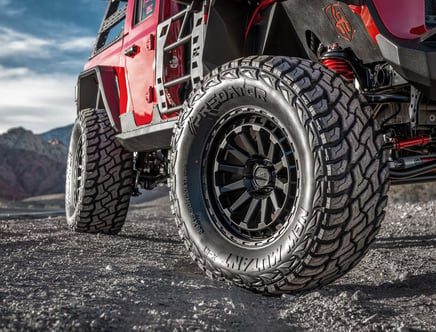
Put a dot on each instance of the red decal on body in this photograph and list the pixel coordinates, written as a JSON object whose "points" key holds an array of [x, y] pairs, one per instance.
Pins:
{"points": [[340, 22]]}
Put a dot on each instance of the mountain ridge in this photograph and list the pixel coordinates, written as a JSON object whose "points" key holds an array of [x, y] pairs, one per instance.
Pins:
{"points": [[62, 134], [32, 164]]}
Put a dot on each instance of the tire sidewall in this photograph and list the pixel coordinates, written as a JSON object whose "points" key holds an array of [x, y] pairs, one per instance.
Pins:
{"points": [[217, 102]]}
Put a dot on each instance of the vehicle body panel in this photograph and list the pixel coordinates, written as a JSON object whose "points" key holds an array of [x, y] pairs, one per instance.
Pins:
{"points": [[140, 65], [404, 19]]}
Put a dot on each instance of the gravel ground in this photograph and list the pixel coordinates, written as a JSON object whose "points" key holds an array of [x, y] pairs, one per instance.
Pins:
{"points": [[143, 279]]}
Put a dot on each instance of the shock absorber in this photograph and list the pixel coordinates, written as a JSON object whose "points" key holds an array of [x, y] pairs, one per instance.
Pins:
{"points": [[395, 144], [340, 66], [334, 59]]}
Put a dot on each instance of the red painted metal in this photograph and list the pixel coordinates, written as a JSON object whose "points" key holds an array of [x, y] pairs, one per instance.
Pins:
{"points": [[367, 19], [402, 18], [426, 160], [109, 57], [136, 74], [416, 141], [139, 69], [149, 96], [340, 66], [150, 42], [369, 23], [112, 57], [122, 87], [206, 11], [356, 9]]}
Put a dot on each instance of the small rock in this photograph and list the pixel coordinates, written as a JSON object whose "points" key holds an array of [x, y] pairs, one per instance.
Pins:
{"points": [[288, 297], [359, 296], [314, 295], [109, 268], [344, 295], [403, 276], [370, 319], [403, 328]]}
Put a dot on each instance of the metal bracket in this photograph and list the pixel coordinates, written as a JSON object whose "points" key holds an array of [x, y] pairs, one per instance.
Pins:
{"points": [[150, 42], [415, 98]]}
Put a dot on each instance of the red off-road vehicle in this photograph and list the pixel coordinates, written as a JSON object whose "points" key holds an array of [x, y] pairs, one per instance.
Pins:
{"points": [[277, 124]]}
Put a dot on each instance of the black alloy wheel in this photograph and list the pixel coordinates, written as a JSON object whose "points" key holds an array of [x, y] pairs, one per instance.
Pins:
{"points": [[250, 175]]}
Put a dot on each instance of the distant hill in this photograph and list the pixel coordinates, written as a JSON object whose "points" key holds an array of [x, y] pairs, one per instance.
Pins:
{"points": [[62, 134], [27, 173], [30, 165], [22, 139]]}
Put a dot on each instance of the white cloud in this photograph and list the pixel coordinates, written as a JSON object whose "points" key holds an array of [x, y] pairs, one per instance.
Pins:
{"points": [[34, 101], [16, 43], [6, 10], [78, 44], [37, 101], [13, 73], [25, 45]]}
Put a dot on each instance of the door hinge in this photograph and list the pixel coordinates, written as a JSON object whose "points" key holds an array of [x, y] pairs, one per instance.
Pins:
{"points": [[149, 95], [150, 42]]}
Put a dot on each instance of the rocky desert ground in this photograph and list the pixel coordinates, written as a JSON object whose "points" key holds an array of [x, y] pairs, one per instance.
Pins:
{"points": [[143, 279]]}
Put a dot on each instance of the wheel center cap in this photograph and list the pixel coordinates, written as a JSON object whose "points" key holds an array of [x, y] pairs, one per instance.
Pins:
{"points": [[262, 177]]}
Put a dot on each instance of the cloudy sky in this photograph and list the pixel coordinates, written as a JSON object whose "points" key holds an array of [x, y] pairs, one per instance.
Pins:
{"points": [[44, 45]]}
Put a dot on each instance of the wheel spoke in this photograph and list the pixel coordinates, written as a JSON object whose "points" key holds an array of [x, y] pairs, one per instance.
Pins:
{"points": [[247, 145], [271, 149], [251, 213], [240, 201], [263, 211], [242, 157], [281, 185], [280, 165], [274, 202], [233, 169], [259, 143], [233, 186]]}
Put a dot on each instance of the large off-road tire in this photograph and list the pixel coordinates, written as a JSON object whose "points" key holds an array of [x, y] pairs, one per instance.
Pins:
{"points": [[278, 182], [99, 176]]}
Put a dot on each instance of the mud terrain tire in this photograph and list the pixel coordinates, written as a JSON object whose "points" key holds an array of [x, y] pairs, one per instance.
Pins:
{"points": [[277, 180], [99, 176]]}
